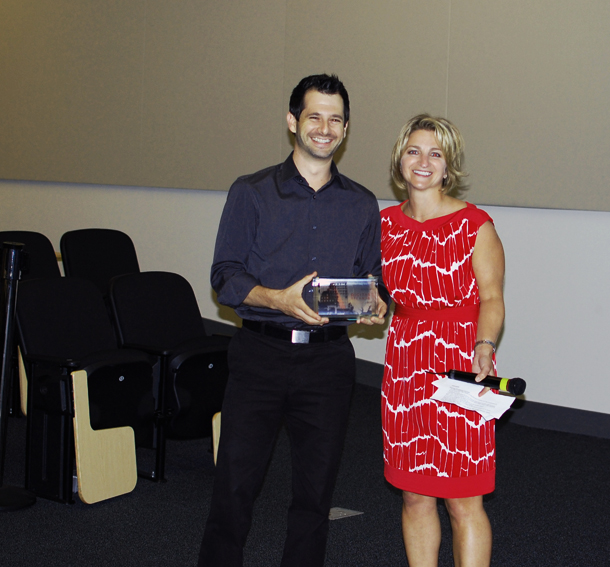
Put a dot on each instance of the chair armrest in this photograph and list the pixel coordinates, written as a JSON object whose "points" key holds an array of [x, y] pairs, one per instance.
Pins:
{"points": [[150, 349], [193, 346], [49, 359]]}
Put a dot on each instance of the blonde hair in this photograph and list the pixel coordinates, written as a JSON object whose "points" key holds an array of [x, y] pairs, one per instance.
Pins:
{"points": [[449, 139]]}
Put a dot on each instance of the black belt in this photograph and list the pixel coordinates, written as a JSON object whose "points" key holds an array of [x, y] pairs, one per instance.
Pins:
{"points": [[299, 336]]}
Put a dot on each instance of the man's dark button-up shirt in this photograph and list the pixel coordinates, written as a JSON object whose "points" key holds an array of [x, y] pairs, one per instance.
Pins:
{"points": [[275, 230]]}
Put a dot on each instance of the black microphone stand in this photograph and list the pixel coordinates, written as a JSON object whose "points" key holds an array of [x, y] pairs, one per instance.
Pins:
{"points": [[11, 497]]}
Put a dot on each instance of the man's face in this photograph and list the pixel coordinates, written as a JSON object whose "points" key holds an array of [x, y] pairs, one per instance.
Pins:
{"points": [[321, 127]]}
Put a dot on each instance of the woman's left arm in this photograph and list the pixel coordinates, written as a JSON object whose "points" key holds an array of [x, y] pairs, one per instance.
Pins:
{"points": [[488, 266]]}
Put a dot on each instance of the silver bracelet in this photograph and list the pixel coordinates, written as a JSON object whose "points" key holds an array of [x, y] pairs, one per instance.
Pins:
{"points": [[486, 342]]}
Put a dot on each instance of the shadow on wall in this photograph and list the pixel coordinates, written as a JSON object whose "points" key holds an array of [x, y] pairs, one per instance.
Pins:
{"points": [[370, 332]]}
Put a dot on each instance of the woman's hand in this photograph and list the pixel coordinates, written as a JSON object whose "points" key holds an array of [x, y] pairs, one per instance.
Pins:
{"points": [[482, 364]]}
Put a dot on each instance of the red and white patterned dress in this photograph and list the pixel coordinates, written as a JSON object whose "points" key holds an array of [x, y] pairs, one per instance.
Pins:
{"points": [[431, 447]]}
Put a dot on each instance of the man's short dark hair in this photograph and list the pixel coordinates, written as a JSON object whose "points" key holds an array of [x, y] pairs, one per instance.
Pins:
{"points": [[325, 84]]}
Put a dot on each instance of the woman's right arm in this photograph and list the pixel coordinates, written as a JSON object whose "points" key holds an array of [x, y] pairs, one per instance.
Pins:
{"points": [[488, 266]]}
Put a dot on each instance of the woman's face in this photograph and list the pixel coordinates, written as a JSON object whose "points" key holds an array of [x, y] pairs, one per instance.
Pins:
{"points": [[423, 164]]}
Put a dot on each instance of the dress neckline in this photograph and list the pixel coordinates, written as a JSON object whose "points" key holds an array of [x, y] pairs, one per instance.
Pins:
{"points": [[412, 223]]}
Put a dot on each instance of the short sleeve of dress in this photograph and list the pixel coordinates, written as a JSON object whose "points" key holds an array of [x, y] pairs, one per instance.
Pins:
{"points": [[478, 215]]}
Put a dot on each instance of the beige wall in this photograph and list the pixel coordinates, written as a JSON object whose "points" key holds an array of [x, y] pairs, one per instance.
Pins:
{"points": [[151, 94], [191, 94], [557, 273]]}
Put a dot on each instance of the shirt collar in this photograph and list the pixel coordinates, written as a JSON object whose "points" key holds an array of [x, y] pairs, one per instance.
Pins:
{"points": [[290, 171]]}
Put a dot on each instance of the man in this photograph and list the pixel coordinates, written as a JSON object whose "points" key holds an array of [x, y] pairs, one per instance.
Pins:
{"points": [[280, 228]]}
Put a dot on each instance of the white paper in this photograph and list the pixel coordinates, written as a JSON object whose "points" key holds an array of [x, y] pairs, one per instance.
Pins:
{"points": [[466, 396]]}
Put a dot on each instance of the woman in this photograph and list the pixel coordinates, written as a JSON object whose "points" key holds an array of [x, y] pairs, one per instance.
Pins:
{"points": [[443, 264]]}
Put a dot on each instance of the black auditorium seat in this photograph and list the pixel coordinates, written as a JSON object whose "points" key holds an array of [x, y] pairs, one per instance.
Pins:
{"points": [[158, 312], [89, 402], [40, 260], [98, 254]]}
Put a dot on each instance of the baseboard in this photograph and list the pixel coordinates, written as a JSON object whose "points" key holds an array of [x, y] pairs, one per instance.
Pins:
{"points": [[522, 412], [369, 373], [559, 418], [217, 328]]}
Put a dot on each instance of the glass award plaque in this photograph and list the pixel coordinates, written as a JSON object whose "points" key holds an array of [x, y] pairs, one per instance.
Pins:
{"points": [[347, 299]]}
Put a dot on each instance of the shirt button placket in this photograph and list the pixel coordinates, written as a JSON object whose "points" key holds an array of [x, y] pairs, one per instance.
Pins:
{"points": [[314, 227]]}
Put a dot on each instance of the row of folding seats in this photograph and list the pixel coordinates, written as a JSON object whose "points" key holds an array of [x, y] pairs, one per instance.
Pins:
{"points": [[97, 254], [166, 379]]}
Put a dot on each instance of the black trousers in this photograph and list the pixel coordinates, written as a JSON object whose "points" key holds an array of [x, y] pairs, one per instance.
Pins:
{"points": [[306, 386]]}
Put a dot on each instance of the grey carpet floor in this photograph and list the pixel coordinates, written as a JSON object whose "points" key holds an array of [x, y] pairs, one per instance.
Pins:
{"points": [[551, 506]]}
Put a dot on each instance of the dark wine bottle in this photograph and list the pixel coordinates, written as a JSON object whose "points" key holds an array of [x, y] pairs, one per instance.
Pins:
{"points": [[514, 386]]}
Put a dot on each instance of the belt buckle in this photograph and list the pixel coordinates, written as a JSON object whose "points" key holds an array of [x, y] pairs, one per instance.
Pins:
{"points": [[300, 337]]}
